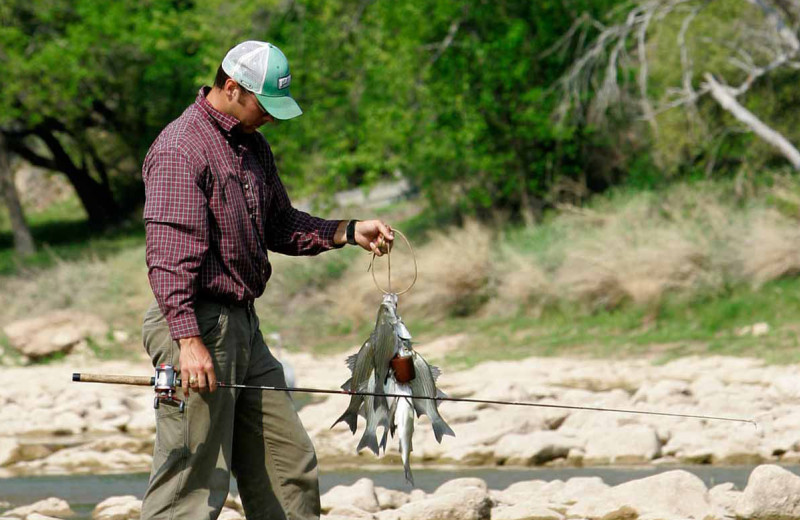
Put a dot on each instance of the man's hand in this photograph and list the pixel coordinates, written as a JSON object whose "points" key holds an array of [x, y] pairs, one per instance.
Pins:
{"points": [[373, 235], [197, 368]]}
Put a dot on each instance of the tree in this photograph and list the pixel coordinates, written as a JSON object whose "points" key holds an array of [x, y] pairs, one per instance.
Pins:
{"points": [[728, 67], [89, 85], [23, 241]]}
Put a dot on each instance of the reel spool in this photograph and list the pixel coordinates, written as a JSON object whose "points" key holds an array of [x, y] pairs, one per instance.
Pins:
{"points": [[166, 385]]}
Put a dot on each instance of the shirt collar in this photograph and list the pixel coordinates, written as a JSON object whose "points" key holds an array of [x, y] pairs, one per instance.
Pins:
{"points": [[225, 122]]}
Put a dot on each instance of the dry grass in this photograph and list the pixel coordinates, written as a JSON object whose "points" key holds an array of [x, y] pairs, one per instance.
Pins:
{"points": [[770, 248]]}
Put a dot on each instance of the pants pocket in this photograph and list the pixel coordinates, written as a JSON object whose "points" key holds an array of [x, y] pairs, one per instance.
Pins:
{"points": [[170, 430]]}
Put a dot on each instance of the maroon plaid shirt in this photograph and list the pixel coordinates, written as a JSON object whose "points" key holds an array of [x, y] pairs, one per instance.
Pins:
{"points": [[213, 198]]}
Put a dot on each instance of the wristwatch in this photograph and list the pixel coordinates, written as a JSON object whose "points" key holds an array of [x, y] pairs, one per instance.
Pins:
{"points": [[351, 232]]}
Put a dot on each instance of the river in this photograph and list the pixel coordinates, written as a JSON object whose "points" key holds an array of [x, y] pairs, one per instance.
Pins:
{"points": [[83, 492]]}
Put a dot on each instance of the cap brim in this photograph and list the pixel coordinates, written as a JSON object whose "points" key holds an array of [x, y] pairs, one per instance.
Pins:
{"points": [[280, 107]]}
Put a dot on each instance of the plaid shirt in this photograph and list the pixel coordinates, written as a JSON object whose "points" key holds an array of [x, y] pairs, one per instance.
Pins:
{"points": [[213, 199]]}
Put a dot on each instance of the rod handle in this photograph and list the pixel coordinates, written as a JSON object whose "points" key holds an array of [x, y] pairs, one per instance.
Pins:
{"points": [[108, 378]]}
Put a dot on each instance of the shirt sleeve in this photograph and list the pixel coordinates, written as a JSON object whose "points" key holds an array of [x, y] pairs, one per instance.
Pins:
{"points": [[290, 231], [176, 228]]}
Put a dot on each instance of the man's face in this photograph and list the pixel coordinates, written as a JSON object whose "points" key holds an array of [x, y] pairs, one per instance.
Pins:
{"points": [[250, 112]]}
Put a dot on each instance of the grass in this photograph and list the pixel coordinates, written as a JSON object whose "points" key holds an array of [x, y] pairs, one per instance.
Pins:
{"points": [[61, 233], [536, 290]]}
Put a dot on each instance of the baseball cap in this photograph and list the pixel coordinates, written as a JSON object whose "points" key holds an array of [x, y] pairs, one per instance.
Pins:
{"points": [[261, 68]]}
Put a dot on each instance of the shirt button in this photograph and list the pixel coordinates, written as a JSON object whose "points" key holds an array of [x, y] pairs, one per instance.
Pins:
{"points": [[247, 186]]}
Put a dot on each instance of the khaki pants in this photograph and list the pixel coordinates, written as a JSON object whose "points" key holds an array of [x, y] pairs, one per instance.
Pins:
{"points": [[255, 434]]}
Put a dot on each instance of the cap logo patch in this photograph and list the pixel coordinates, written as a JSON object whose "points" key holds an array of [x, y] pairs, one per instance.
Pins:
{"points": [[284, 82]]}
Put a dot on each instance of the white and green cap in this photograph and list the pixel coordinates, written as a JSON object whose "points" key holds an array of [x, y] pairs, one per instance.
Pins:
{"points": [[261, 68]]}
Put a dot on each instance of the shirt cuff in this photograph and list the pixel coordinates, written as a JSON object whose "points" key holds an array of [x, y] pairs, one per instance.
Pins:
{"points": [[183, 326], [328, 232]]}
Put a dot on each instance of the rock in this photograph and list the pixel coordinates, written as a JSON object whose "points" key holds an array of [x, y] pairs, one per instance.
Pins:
{"points": [[466, 503], [459, 484], [37, 516], [725, 497], [526, 511], [520, 492], [631, 444], [390, 498], [577, 488], [228, 514], [664, 392], [360, 495], [52, 333], [234, 502], [651, 497], [348, 512], [49, 507], [771, 492], [533, 449], [115, 503], [9, 451], [118, 508]]}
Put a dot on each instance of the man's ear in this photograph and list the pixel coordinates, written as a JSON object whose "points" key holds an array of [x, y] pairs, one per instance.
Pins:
{"points": [[231, 90]]}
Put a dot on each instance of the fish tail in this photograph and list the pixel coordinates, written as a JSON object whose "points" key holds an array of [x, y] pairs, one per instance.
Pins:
{"points": [[369, 440], [409, 476], [441, 428], [350, 417], [384, 439]]}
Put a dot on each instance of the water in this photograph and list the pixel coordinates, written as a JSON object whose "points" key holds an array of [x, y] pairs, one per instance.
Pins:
{"points": [[83, 492]]}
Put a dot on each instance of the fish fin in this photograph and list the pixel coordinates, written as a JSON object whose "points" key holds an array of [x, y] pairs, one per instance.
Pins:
{"points": [[441, 428], [384, 439], [409, 476], [418, 407], [368, 440], [440, 394], [351, 362], [435, 372], [346, 385]]}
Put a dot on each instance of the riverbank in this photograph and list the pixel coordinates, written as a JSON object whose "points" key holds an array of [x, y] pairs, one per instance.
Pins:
{"points": [[66, 428]]}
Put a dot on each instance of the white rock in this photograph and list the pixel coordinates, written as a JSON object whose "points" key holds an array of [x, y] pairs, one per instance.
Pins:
{"points": [[9, 451], [468, 503], [771, 492], [625, 445], [726, 497], [348, 512], [390, 498], [526, 511], [118, 508], [228, 514], [651, 497], [55, 332], [458, 484], [49, 507], [360, 495], [534, 448], [234, 502]]}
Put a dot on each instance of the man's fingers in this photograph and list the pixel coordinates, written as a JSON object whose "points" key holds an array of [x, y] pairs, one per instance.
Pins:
{"points": [[202, 383], [185, 381], [212, 378]]}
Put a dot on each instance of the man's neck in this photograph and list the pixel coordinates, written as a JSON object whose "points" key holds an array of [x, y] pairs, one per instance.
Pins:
{"points": [[216, 98]]}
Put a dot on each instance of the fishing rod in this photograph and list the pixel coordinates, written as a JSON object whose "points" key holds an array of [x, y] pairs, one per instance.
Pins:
{"points": [[166, 383]]}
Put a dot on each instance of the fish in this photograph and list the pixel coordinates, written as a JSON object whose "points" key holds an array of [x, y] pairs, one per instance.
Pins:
{"points": [[424, 384], [401, 416], [384, 337], [376, 416], [360, 365]]}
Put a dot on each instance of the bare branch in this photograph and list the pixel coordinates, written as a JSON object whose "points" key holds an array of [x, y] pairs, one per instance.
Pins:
{"points": [[728, 101]]}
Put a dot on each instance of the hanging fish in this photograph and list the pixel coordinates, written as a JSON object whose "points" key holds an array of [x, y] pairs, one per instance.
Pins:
{"points": [[424, 384], [361, 366], [401, 422], [387, 364]]}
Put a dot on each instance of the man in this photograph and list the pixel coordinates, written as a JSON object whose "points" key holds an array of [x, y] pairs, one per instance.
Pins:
{"points": [[214, 206]]}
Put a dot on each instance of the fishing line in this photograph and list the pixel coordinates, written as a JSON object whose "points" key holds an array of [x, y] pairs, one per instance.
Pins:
{"points": [[487, 401]]}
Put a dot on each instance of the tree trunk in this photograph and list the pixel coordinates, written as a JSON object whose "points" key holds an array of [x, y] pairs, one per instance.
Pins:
{"points": [[96, 197], [23, 241]]}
